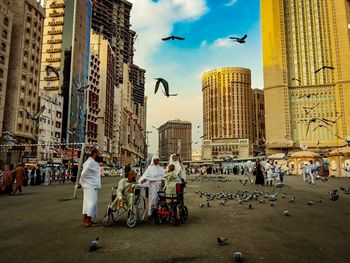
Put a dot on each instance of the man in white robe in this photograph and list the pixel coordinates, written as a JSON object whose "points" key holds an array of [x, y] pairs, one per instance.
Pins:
{"points": [[90, 181]]}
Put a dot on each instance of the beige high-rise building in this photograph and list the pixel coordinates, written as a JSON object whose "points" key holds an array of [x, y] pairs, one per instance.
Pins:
{"points": [[306, 58], [259, 134], [6, 21], [22, 94], [101, 47], [175, 136], [227, 113]]}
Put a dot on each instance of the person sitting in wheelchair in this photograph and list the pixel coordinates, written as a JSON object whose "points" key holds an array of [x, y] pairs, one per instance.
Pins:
{"points": [[170, 181], [124, 191]]}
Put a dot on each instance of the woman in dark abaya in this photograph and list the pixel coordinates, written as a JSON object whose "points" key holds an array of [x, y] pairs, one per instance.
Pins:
{"points": [[259, 173]]}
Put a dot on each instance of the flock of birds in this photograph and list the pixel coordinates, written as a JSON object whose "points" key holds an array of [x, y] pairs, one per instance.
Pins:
{"points": [[259, 196], [165, 83]]}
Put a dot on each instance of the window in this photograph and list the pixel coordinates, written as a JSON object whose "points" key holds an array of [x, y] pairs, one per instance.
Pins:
{"points": [[1, 73], [3, 46], [4, 34], [6, 21]]}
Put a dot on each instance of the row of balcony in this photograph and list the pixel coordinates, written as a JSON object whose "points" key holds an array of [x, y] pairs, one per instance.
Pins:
{"points": [[56, 23], [53, 50], [56, 14], [55, 32], [54, 41], [52, 78], [57, 5], [53, 59], [50, 88]]}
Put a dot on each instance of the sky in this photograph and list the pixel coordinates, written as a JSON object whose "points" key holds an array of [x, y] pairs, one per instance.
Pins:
{"points": [[206, 25]]}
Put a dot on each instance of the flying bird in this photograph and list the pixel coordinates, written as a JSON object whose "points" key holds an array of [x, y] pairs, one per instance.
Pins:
{"points": [[279, 186], [221, 241], [239, 39], [320, 126], [37, 115], [324, 67], [173, 38], [308, 95], [94, 244], [309, 109], [9, 138], [313, 120], [165, 85], [81, 88], [331, 121], [52, 69], [296, 80]]}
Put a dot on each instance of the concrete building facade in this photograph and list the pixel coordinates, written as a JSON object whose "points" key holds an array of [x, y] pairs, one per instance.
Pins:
{"points": [[259, 134], [22, 94], [306, 54], [227, 113], [175, 136], [92, 100], [6, 21]]}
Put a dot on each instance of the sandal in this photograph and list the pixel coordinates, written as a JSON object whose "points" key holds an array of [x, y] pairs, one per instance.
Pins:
{"points": [[91, 224]]}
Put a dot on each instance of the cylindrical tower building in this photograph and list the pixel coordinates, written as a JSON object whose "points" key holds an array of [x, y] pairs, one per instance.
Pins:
{"points": [[227, 111]]}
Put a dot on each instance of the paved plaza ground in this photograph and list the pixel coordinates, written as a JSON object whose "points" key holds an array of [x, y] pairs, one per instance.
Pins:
{"points": [[39, 226]]}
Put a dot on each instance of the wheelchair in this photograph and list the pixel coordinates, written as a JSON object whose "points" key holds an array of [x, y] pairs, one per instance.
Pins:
{"points": [[134, 206], [171, 208]]}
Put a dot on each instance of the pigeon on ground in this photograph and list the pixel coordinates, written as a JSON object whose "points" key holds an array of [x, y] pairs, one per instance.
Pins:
{"points": [[94, 244], [202, 205], [208, 204], [320, 200], [284, 196], [238, 257], [221, 241], [346, 191], [285, 212], [272, 204], [244, 182], [250, 206], [292, 200], [334, 195], [310, 202]]}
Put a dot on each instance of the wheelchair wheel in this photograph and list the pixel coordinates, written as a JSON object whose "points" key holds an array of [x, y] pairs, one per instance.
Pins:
{"points": [[183, 211], [163, 214], [108, 219], [132, 216], [140, 205]]}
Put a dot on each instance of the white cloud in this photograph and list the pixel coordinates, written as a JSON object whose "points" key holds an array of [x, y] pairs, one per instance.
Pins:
{"points": [[231, 3], [152, 21], [222, 42], [203, 44]]}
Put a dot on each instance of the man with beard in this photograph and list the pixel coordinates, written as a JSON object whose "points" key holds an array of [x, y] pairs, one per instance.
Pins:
{"points": [[90, 181]]}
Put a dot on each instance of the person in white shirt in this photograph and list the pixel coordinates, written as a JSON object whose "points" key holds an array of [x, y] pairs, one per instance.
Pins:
{"points": [[90, 181]]}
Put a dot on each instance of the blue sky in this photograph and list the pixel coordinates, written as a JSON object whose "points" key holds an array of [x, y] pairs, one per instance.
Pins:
{"points": [[206, 25]]}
